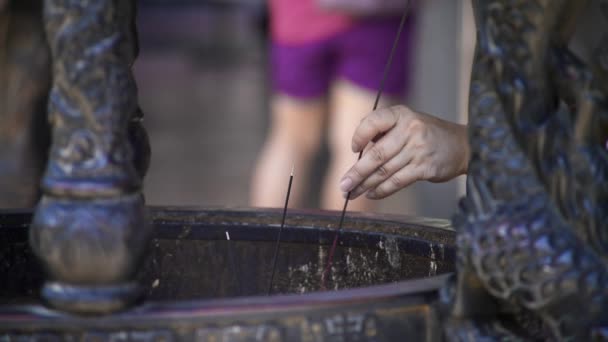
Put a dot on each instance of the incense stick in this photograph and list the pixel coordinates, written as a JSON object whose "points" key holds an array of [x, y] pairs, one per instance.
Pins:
{"points": [[376, 102], [278, 243], [233, 265]]}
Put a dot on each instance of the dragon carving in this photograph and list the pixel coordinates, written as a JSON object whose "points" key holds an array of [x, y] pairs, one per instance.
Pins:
{"points": [[532, 229]]}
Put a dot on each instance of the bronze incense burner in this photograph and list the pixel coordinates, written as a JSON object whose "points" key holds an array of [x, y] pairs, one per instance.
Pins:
{"points": [[93, 263], [387, 270]]}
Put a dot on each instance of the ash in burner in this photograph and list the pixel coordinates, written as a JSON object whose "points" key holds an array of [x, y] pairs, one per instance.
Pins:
{"points": [[188, 256], [199, 269]]}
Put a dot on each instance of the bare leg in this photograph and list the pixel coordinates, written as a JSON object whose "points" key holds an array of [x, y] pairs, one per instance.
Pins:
{"points": [[25, 75], [349, 104], [293, 140]]}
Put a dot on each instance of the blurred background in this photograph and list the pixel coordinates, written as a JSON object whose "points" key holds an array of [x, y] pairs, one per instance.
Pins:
{"points": [[204, 84], [203, 79]]}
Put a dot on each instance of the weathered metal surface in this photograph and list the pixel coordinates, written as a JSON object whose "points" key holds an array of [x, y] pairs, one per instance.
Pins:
{"points": [[532, 229], [90, 229], [284, 319], [187, 274]]}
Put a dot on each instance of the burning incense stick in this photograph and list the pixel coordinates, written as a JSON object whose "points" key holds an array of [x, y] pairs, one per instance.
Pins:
{"points": [[380, 89], [278, 243]]}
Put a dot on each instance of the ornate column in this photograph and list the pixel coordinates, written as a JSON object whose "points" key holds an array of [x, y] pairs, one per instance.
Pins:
{"points": [[90, 228]]}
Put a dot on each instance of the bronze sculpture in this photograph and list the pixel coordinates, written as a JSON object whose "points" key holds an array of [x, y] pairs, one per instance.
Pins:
{"points": [[532, 227], [91, 174], [531, 238]]}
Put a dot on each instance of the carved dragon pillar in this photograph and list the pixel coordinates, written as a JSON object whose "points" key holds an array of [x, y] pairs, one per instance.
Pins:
{"points": [[90, 228], [532, 230]]}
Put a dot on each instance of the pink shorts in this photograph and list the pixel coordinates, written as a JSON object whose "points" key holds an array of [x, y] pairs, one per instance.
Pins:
{"points": [[358, 55]]}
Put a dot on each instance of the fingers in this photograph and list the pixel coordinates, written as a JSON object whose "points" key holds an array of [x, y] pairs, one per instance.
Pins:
{"points": [[396, 182], [373, 125], [373, 158], [383, 172]]}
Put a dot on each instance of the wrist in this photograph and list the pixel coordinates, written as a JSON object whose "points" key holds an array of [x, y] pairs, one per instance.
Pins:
{"points": [[466, 148]]}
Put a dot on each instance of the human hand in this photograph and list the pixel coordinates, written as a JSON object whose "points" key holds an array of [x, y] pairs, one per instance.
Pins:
{"points": [[402, 146]]}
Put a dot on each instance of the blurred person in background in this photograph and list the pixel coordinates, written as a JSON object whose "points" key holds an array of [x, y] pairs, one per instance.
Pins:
{"points": [[327, 61], [25, 76]]}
